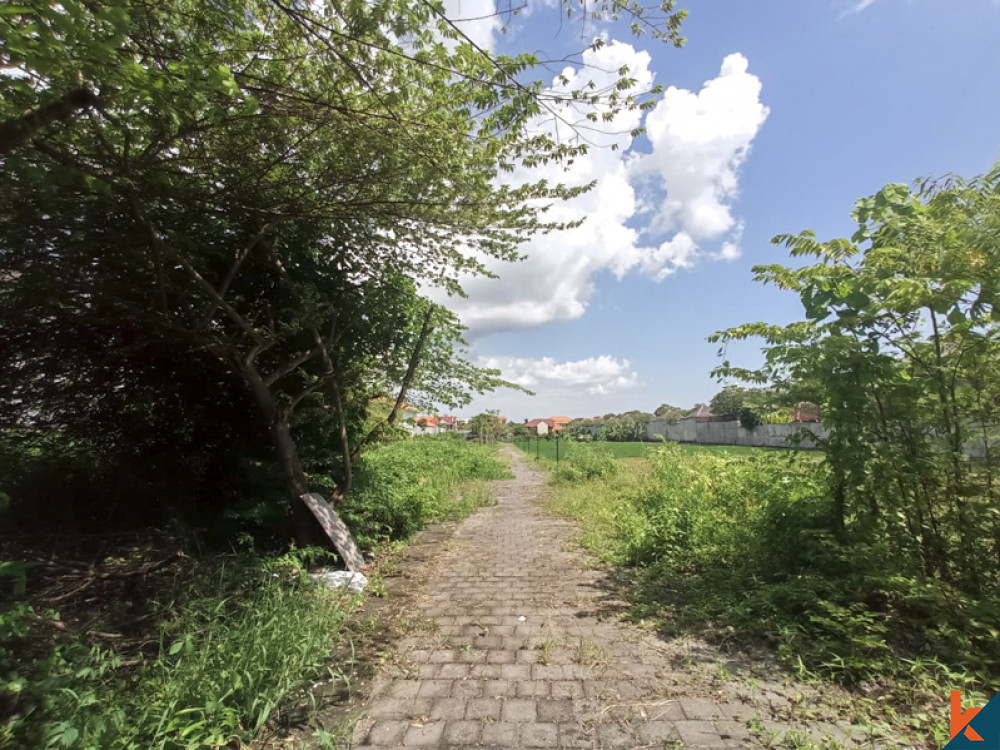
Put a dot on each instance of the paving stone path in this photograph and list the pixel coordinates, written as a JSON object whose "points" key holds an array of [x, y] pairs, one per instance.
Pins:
{"points": [[517, 644]]}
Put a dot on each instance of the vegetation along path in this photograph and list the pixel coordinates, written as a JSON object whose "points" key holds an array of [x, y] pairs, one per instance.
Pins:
{"points": [[523, 649]]}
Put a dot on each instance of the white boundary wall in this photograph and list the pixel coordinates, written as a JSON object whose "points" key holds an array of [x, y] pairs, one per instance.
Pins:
{"points": [[732, 433]]}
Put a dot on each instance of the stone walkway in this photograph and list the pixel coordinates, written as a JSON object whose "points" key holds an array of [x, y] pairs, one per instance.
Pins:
{"points": [[516, 644]]}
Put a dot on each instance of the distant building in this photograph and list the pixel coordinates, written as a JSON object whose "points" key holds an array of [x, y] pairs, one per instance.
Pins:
{"points": [[701, 414], [432, 425], [805, 411], [545, 426]]}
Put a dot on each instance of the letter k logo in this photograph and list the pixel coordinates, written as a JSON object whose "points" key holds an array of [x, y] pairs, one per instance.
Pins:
{"points": [[959, 720]]}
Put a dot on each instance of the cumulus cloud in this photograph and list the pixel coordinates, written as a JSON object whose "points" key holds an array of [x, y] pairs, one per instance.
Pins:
{"points": [[699, 142], [594, 376], [681, 190]]}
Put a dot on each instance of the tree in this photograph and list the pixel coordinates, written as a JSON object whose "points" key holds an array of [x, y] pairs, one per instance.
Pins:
{"points": [[487, 426], [668, 413], [258, 184], [629, 426], [899, 346], [728, 401]]}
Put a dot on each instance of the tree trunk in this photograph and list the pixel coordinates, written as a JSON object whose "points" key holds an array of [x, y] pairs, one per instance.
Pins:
{"points": [[308, 532]]}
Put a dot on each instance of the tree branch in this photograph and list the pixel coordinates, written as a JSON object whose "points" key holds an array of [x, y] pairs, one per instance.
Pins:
{"points": [[15, 131], [346, 472], [286, 368], [411, 371], [241, 256], [200, 280]]}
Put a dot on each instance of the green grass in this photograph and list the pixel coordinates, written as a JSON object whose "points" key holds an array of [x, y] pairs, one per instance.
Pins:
{"points": [[546, 449], [234, 639], [735, 549], [226, 643], [400, 488]]}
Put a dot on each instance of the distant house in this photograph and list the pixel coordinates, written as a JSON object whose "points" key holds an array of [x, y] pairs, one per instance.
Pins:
{"points": [[805, 411], [537, 426], [701, 414], [426, 425], [432, 425], [545, 426]]}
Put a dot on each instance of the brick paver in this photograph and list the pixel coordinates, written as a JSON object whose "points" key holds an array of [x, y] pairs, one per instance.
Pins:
{"points": [[521, 650]]}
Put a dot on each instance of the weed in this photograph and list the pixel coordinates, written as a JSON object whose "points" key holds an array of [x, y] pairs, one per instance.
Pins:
{"points": [[400, 488], [736, 550], [590, 654], [546, 646], [235, 643]]}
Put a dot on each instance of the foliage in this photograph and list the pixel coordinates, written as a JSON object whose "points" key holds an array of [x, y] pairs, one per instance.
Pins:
{"points": [[235, 641], [727, 402], [625, 427], [264, 185], [546, 449], [488, 426], [738, 548], [899, 346], [404, 486], [879, 565], [749, 419], [65, 482], [748, 405], [670, 414], [587, 462]]}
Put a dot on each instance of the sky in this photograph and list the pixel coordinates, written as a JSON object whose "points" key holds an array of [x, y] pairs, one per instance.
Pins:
{"points": [[778, 115]]}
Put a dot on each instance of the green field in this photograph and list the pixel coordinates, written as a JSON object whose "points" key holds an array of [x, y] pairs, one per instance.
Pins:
{"points": [[547, 448]]}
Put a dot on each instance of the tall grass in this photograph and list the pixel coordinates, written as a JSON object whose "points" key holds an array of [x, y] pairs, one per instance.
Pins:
{"points": [[227, 644], [740, 547], [546, 448], [232, 645], [404, 486]]}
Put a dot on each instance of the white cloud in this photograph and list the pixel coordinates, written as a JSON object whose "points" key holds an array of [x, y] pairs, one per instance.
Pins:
{"points": [[683, 189], [594, 376], [699, 142], [477, 19], [855, 7]]}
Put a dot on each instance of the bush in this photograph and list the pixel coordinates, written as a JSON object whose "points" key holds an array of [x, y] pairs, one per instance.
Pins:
{"points": [[402, 487], [745, 543], [587, 462], [235, 642]]}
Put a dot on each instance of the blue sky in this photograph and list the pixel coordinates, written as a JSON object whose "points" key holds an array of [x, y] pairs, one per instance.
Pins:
{"points": [[815, 104]]}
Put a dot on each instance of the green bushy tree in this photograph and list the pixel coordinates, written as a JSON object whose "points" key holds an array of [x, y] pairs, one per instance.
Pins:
{"points": [[256, 186], [899, 346]]}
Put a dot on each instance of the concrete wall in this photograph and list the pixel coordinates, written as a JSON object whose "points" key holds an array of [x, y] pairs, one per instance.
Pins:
{"points": [[979, 438], [777, 435], [731, 433], [418, 430]]}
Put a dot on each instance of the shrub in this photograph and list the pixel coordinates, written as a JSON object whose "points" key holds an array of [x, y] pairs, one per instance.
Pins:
{"points": [[234, 643], [587, 462], [400, 488], [746, 542]]}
